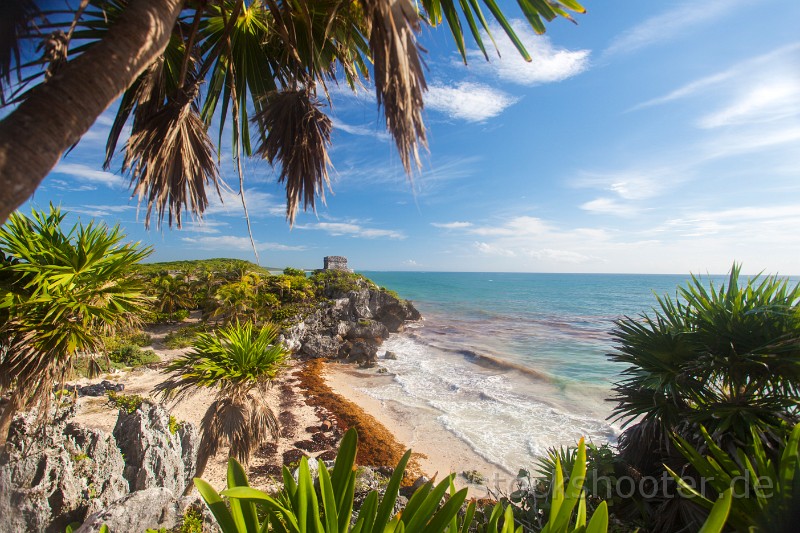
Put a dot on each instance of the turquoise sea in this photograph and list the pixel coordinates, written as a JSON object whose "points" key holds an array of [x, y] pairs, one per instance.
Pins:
{"points": [[514, 363]]}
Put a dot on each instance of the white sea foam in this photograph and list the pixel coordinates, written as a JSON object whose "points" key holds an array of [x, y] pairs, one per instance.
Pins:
{"points": [[508, 417]]}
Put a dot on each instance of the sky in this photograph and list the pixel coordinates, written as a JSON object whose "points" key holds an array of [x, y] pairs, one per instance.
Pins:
{"points": [[651, 137]]}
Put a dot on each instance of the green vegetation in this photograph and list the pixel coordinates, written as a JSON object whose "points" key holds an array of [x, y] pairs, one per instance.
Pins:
{"points": [[127, 402], [240, 361], [62, 292], [184, 337], [174, 425], [133, 356]]}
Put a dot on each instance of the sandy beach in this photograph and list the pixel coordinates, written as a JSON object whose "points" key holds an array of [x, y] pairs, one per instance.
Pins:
{"points": [[440, 451]]}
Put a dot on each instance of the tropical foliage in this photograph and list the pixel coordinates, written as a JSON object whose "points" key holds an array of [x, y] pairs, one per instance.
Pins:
{"points": [[326, 505], [62, 292], [240, 361], [264, 66]]}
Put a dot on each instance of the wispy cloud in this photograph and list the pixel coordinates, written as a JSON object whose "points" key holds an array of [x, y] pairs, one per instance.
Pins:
{"points": [[782, 60], [549, 63], [610, 206], [259, 204], [374, 130], [473, 102], [669, 25], [772, 100], [88, 174], [240, 244], [352, 229], [451, 225], [100, 210]]}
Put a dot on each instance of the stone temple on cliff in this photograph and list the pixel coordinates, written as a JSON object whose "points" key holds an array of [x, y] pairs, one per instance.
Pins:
{"points": [[336, 262]]}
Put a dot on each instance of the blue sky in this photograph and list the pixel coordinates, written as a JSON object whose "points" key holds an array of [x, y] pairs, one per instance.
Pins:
{"points": [[653, 137]]}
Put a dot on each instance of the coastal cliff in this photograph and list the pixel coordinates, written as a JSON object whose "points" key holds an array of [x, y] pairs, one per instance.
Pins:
{"points": [[350, 324]]}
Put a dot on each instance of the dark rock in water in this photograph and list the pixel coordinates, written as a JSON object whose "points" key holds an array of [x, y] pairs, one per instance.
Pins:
{"points": [[54, 474], [390, 355], [361, 351], [154, 508], [154, 457]]}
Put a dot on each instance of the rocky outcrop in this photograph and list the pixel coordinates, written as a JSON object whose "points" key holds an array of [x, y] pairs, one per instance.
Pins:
{"points": [[56, 473], [151, 508], [154, 455], [60, 472], [351, 326]]}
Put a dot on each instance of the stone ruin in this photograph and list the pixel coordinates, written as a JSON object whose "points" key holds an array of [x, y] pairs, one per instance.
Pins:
{"points": [[336, 262]]}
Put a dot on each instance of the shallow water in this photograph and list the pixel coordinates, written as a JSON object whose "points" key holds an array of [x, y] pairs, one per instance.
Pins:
{"points": [[514, 363]]}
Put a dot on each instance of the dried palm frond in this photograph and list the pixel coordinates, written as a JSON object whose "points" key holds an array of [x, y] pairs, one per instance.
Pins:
{"points": [[243, 422], [298, 136], [170, 158], [15, 18], [399, 76]]}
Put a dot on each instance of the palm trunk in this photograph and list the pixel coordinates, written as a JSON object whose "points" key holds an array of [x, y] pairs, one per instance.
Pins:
{"points": [[56, 114]]}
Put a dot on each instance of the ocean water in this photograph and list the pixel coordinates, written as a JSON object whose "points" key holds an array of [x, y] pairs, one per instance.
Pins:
{"points": [[514, 363]]}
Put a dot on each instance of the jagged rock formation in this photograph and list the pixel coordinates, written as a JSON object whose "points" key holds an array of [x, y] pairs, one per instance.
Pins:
{"points": [[155, 505], [56, 473], [154, 456], [60, 472], [352, 326]]}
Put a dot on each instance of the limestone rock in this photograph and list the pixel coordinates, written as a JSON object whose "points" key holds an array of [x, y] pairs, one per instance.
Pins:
{"points": [[150, 508], [154, 457], [54, 474]]}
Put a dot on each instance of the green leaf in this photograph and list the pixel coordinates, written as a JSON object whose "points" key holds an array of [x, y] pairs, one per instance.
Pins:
{"points": [[719, 514], [390, 496], [244, 512], [216, 506], [599, 521]]}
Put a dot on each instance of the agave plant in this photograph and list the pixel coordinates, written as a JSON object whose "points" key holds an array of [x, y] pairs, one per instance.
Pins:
{"points": [[727, 358], [240, 361], [62, 292], [765, 492]]}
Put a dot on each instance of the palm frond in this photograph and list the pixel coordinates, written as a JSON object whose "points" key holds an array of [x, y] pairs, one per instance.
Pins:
{"points": [[298, 137], [15, 19], [171, 160], [399, 77], [243, 423]]}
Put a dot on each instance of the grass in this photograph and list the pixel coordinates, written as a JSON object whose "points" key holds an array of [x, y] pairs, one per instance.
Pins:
{"points": [[127, 402], [183, 337]]}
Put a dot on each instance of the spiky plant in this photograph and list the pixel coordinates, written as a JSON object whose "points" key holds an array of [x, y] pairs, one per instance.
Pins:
{"points": [[61, 292], [240, 361]]}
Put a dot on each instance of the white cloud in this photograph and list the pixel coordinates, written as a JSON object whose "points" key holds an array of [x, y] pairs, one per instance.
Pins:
{"points": [[241, 244], [451, 225], [609, 206], [472, 102], [780, 60], [89, 174], [549, 63], [411, 263], [259, 204], [375, 131], [491, 249], [669, 25], [100, 210], [766, 102], [351, 229], [649, 181]]}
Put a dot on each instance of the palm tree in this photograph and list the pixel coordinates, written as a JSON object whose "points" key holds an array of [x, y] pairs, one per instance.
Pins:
{"points": [[240, 361], [264, 64], [171, 293], [61, 292]]}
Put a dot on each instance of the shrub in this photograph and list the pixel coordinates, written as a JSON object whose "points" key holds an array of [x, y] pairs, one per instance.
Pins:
{"points": [[132, 355], [289, 271], [183, 337], [141, 339], [192, 521], [127, 402]]}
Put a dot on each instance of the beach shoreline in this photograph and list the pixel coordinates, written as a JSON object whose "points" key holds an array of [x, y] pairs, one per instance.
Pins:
{"points": [[438, 451]]}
